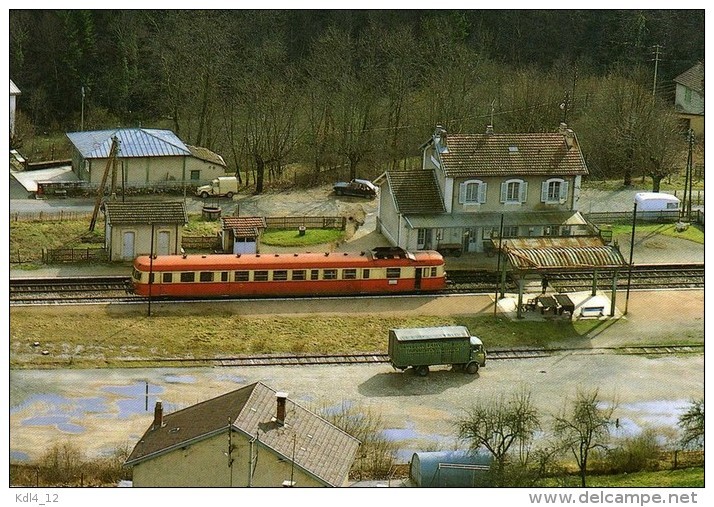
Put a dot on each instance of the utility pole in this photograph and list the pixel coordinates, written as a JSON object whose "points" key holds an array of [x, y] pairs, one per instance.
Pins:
{"points": [[657, 49], [81, 125]]}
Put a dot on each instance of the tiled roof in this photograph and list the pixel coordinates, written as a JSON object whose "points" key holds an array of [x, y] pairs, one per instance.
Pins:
{"points": [[136, 142], [692, 78], [415, 191], [138, 212], [512, 155], [243, 226], [318, 447], [206, 154]]}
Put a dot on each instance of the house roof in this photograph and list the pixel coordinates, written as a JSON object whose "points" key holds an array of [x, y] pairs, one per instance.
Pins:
{"points": [[133, 142], [139, 212], [415, 191], [244, 226], [319, 448], [491, 154], [207, 155], [493, 219], [14, 90], [692, 78]]}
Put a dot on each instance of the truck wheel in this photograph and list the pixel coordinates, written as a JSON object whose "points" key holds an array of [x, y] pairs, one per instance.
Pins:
{"points": [[229, 195], [422, 371], [472, 368], [204, 194]]}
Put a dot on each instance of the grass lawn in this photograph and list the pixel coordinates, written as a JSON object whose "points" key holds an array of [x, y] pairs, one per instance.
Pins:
{"points": [[693, 232], [292, 238]]}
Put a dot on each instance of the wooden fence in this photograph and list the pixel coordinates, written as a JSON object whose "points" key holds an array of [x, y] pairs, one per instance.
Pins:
{"points": [[56, 255], [308, 222], [53, 216], [201, 242], [622, 217]]}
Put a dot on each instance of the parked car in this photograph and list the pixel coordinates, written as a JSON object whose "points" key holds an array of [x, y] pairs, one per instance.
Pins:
{"points": [[357, 187]]}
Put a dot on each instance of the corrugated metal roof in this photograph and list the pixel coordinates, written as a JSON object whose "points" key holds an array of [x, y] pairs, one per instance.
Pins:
{"points": [[207, 155], [137, 212], [134, 143], [565, 257], [14, 90]]}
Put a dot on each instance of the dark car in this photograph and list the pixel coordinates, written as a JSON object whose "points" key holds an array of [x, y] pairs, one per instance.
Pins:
{"points": [[359, 188]]}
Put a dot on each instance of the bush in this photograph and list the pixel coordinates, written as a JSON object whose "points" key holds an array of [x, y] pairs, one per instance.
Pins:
{"points": [[635, 454]]}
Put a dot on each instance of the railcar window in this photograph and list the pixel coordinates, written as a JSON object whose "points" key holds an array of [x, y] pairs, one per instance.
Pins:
{"points": [[188, 277], [167, 278], [280, 276], [242, 276], [433, 271], [298, 274], [365, 274], [394, 272], [349, 274], [315, 274], [224, 276], [260, 276], [206, 276], [329, 274], [137, 274]]}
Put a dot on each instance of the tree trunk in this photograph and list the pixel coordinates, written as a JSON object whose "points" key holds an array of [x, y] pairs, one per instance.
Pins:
{"points": [[260, 173]]}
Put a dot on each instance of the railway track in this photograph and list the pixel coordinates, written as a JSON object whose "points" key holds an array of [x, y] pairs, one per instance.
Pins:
{"points": [[112, 289], [378, 357]]}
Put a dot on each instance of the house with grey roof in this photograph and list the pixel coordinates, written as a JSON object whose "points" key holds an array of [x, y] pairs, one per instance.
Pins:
{"points": [[141, 228], [251, 437], [473, 188], [145, 158], [241, 234], [689, 98], [14, 93]]}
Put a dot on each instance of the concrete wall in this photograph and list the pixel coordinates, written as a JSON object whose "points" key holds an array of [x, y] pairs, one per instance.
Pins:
{"points": [[167, 240], [143, 171]]}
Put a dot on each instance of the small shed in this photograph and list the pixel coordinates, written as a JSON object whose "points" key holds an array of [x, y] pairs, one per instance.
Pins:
{"points": [[450, 469], [241, 234], [142, 228]]}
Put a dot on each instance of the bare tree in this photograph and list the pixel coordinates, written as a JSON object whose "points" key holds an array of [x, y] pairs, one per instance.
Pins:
{"points": [[584, 425], [692, 424], [501, 425]]}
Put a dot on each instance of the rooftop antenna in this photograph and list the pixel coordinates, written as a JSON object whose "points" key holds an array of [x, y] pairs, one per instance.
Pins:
{"points": [[492, 109]]}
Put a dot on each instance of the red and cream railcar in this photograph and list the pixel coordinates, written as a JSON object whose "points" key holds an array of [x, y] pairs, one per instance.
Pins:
{"points": [[380, 271]]}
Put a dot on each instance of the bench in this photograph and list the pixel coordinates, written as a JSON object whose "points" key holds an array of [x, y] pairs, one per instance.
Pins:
{"points": [[592, 311], [62, 194]]}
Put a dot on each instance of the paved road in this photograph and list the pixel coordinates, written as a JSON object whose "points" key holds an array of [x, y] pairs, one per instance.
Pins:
{"points": [[101, 410]]}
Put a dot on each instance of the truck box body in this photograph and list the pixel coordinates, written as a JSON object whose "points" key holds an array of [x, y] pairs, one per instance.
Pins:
{"points": [[423, 347], [223, 185]]}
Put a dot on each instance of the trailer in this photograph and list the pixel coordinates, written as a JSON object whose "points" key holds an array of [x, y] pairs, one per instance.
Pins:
{"points": [[422, 347], [656, 201]]}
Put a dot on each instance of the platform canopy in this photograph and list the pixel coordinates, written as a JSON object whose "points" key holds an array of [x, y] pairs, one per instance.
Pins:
{"points": [[543, 254]]}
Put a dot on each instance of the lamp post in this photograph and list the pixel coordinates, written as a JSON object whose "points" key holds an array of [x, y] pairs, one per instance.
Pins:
{"points": [[151, 267], [632, 248]]}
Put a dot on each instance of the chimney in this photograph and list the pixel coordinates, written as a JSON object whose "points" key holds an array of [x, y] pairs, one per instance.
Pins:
{"points": [[158, 415], [569, 138], [280, 413], [489, 130]]}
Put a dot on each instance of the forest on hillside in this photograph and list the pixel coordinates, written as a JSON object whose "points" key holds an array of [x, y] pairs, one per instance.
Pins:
{"points": [[360, 89]]}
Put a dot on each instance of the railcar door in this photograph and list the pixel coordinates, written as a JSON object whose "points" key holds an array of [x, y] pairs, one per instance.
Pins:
{"points": [[417, 278]]}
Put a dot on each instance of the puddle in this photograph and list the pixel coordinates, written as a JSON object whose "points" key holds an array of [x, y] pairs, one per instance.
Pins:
{"points": [[62, 423], [179, 379]]}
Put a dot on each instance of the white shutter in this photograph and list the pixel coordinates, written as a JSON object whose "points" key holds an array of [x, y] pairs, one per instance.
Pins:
{"points": [[544, 192], [504, 189], [462, 193], [524, 191], [564, 191], [482, 192]]}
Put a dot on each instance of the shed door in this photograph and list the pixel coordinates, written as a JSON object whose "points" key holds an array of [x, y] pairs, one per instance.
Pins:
{"points": [[127, 249], [162, 246]]}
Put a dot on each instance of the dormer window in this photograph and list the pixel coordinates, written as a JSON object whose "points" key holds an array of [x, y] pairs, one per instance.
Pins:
{"points": [[472, 192], [513, 149], [554, 190]]}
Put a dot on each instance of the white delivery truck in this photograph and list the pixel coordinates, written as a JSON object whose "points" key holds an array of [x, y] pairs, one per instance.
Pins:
{"points": [[656, 201], [219, 187]]}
